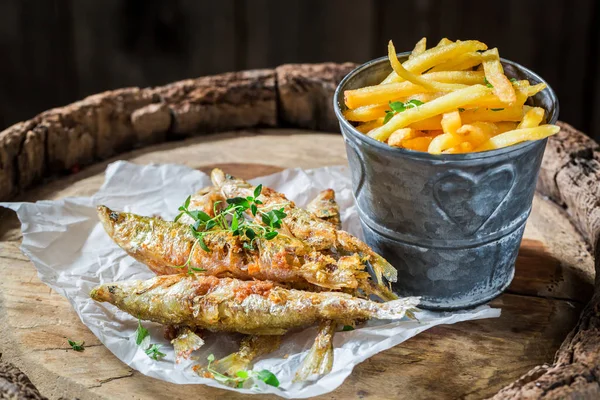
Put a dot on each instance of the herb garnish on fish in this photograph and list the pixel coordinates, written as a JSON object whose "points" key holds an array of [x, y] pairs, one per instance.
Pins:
{"points": [[241, 376], [233, 219]]}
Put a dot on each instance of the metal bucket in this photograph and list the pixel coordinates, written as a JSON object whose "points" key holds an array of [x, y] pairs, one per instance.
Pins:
{"points": [[451, 224]]}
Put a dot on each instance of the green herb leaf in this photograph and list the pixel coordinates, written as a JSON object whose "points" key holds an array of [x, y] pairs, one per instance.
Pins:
{"points": [[280, 213], [513, 80], [154, 353], [186, 204], [239, 201], [256, 201], [200, 215], [210, 358], [203, 245], [197, 269], [178, 216], [248, 246], [268, 377], [257, 191], [210, 224], [253, 209], [413, 103], [77, 346], [347, 328], [388, 116], [266, 218], [242, 374], [496, 109], [397, 106], [270, 235], [460, 109], [250, 234], [140, 333], [488, 84], [234, 223]]}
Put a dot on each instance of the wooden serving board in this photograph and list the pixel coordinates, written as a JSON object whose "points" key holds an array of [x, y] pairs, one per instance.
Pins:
{"points": [[553, 281]]}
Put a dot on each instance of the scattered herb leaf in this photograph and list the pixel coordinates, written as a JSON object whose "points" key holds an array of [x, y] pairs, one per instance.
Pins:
{"points": [[241, 376], [77, 346], [154, 353], [487, 83], [513, 80], [398, 107], [347, 328], [140, 333]]}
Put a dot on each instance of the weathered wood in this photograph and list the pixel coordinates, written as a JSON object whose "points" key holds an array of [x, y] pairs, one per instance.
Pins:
{"points": [[573, 162], [305, 94], [553, 280]]}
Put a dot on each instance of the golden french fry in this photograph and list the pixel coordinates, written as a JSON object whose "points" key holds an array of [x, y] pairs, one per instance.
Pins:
{"points": [[494, 74], [477, 132], [535, 89], [366, 113], [429, 124], [436, 55], [449, 102], [461, 77], [505, 126], [416, 79], [369, 126], [381, 94], [443, 142], [517, 136], [532, 118], [420, 47], [461, 62], [464, 147], [444, 42], [400, 135], [451, 122], [418, 144], [491, 114]]}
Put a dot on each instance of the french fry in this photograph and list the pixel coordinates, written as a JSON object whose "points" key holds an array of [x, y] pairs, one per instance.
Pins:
{"points": [[400, 135], [366, 113], [461, 77], [505, 126], [416, 79], [494, 73], [435, 56], [464, 147], [418, 144], [369, 126], [429, 124], [451, 122], [477, 133], [535, 89], [449, 102], [443, 42], [420, 47], [381, 94], [443, 142], [492, 115], [517, 136], [461, 62], [532, 118]]}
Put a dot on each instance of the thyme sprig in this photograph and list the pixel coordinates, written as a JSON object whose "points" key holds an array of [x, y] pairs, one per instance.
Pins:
{"points": [[241, 376], [233, 218]]}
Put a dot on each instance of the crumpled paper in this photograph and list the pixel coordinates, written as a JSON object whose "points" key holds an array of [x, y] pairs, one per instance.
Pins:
{"points": [[67, 244]]}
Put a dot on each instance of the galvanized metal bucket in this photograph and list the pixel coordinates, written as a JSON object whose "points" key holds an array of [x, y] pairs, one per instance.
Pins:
{"points": [[451, 224]]}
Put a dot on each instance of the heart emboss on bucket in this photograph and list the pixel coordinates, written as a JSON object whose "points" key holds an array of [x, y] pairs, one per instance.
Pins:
{"points": [[469, 200]]}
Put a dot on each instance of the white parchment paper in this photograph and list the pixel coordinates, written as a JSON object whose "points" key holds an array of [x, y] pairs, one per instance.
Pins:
{"points": [[72, 253]]}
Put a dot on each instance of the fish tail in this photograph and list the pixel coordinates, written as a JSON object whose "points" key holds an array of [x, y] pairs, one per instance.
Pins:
{"points": [[398, 309], [382, 267], [319, 359], [218, 177]]}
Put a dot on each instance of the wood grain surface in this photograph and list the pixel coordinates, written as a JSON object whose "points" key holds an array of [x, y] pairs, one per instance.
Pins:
{"points": [[553, 282]]}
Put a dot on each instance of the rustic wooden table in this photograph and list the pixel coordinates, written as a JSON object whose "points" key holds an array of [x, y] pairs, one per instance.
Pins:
{"points": [[554, 274]]}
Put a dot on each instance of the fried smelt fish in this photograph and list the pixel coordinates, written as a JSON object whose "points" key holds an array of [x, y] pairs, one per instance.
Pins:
{"points": [[320, 356], [251, 347], [305, 226], [166, 247], [231, 305], [206, 200], [326, 208]]}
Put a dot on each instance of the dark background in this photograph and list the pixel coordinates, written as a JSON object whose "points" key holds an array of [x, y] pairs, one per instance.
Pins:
{"points": [[54, 52]]}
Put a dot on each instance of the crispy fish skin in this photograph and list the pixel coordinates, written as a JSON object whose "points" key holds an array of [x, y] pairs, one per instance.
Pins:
{"points": [[231, 305], [326, 208], [166, 246], [305, 225]]}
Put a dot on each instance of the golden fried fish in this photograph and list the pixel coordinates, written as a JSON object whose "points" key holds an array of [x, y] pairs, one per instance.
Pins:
{"points": [[304, 225], [232, 305]]}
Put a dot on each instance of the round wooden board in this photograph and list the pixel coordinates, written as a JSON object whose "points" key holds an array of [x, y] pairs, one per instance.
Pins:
{"points": [[554, 279]]}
